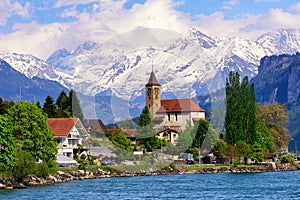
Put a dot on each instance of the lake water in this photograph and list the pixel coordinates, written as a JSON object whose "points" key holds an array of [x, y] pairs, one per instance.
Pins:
{"points": [[275, 185]]}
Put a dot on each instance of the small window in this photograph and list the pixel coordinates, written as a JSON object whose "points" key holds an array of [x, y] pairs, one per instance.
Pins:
{"points": [[176, 117], [169, 117]]}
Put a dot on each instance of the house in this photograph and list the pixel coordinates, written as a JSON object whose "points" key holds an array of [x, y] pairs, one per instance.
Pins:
{"points": [[170, 113], [68, 133], [95, 128], [168, 134], [130, 134]]}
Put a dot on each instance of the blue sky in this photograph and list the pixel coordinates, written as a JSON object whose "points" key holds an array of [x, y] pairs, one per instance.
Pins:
{"points": [[41, 27]]}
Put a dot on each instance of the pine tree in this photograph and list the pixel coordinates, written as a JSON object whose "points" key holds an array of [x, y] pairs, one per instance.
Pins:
{"points": [[49, 107], [63, 107], [74, 105]]}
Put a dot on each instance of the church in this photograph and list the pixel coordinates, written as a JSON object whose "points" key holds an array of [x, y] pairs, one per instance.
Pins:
{"points": [[170, 115]]}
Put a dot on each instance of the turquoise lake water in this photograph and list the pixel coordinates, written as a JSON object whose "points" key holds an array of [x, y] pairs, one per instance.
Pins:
{"points": [[275, 185]]}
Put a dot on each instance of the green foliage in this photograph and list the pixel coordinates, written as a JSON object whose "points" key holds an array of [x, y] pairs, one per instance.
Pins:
{"points": [[242, 149], [263, 136], [5, 105], [240, 118], [184, 140], [42, 170], [202, 129], [287, 158], [172, 149], [7, 143], [144, 118], [276, 120], [257, 153], [49, 107], [30, 127], [82, 157], [119, 140], [24, 166], [63, 105], [74, 105]]}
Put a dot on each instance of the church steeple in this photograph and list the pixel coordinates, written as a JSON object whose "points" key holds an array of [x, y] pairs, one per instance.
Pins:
{"points": [[153, 94], [152, 80]]}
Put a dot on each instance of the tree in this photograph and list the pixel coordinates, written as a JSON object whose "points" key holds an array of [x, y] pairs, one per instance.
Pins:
{"points": [[145, 130], [119, 140], [276, 120], [31, 129], [202, 129], [49, 107], [74, 105], [63, 106], [7, 143], [240, 118]]}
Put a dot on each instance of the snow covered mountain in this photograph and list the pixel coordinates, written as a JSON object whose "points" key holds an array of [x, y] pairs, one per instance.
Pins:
{"points": [[192, 64]]}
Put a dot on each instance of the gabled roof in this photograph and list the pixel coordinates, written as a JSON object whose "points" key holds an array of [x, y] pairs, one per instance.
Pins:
{"points": [[129, 133], [61, 126], [94, 124], [152, 80], [179, 105]]}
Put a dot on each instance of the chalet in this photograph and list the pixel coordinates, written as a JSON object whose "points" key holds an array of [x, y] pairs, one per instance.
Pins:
{"points": [[68, 133], [95, 128], [130, 134], [171, 114]]}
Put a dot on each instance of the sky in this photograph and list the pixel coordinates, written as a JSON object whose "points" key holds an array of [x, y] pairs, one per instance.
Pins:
{"points": [[41, 27]]}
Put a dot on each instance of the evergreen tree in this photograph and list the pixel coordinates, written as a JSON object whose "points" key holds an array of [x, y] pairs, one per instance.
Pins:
{"points": [[49, 107], [63, 106], [202, 130], [146, 131], [31, 129], [74, 105]]}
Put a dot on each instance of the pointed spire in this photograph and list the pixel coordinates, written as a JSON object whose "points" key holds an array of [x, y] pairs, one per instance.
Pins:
{"points": [[152, 80]]}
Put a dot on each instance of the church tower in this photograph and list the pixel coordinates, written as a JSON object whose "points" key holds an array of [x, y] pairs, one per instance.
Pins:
{"points": [[153, 94]]}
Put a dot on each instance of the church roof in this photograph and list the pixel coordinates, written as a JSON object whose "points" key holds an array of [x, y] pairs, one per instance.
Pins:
{"points": [[179, 105], [152, 80]]}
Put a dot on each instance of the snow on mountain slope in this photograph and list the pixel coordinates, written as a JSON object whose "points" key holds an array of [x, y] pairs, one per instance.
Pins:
{"points": [[29, 65], [189, 64]]}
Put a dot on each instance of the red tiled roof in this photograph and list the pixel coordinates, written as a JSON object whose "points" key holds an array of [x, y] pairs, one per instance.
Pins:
{"points": [[61, 126], [130, 133], [179, 105], [152, 80]]}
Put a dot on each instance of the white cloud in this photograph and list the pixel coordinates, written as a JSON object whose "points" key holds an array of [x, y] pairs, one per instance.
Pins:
{"points": [[9, 8], [227, 5], [61, 3], [108, 18], [248, 26], [296, 7]]}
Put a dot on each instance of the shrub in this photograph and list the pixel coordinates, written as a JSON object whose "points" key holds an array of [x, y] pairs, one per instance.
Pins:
{"points": [[42, 170], [24, 166], [83, 157], [287, 158]]}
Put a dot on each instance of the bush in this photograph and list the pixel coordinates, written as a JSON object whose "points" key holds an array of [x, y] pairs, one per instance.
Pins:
{"points": [[42, 170], [24, 166], [287, 158], [82, 157]]}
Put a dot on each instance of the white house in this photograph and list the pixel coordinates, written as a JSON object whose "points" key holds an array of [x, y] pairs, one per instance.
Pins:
{"points": [[68, 133]]}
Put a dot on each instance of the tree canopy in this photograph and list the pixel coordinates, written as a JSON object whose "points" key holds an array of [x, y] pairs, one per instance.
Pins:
{"points": [[30, 127]]}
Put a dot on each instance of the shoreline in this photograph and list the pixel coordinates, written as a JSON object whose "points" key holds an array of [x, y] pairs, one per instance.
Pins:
{"points": [[63, 177]]}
